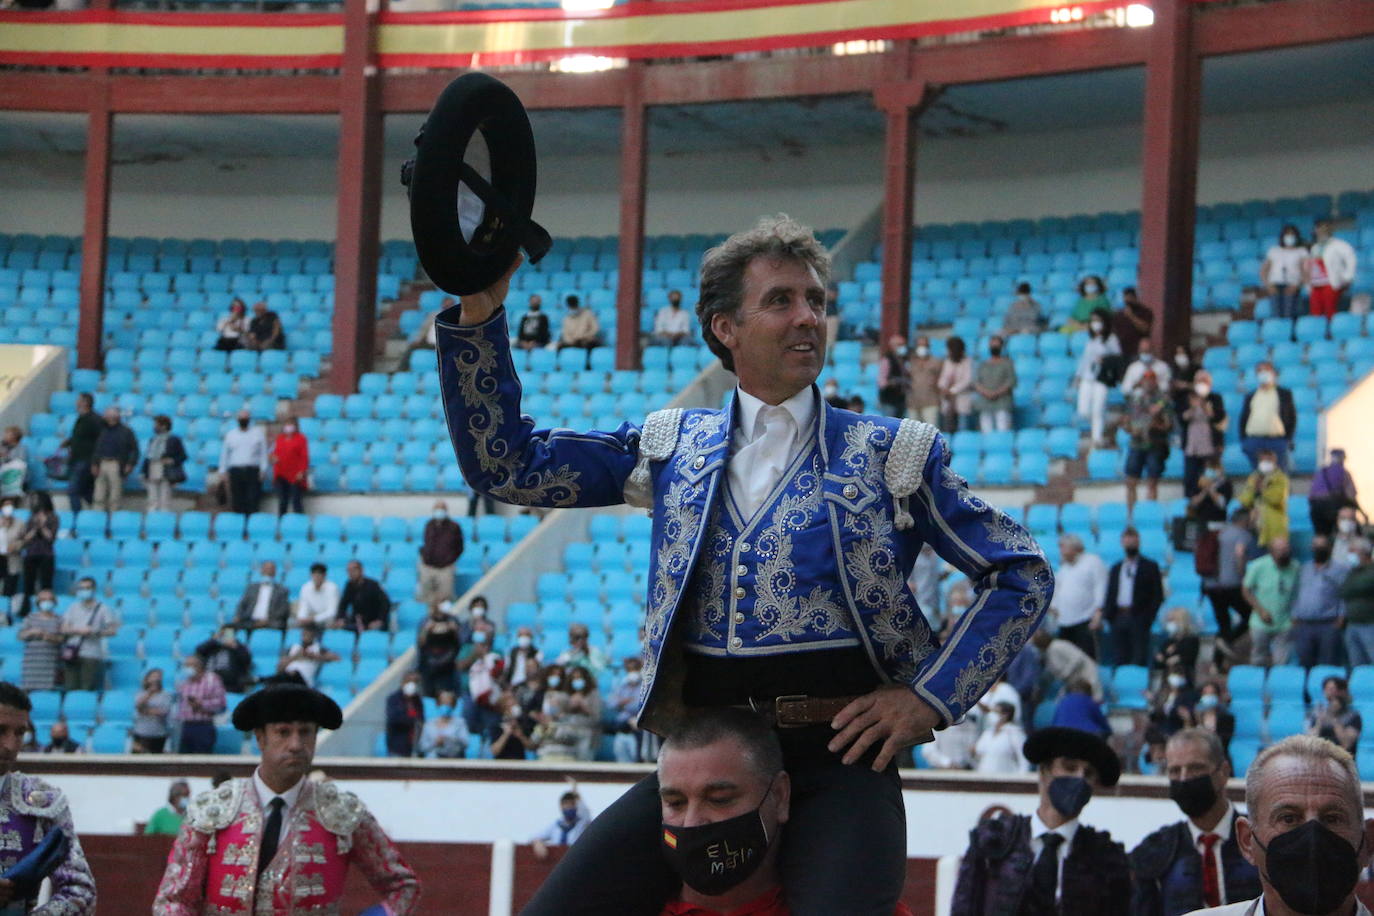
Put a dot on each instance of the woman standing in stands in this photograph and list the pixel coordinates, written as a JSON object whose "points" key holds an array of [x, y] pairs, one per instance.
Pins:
{"points": [[152, 709], [290, 464], [1281, 273], [232, 327], [163, 464], [42, 637], [1204, 428], [1099, 368], [956, 387], [35, 545]]}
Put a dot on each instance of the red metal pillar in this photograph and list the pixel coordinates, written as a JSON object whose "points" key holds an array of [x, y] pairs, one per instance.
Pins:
{"points": [[359, 215], [634, 157], [95, 229], [1173, 84], [902, 106]]}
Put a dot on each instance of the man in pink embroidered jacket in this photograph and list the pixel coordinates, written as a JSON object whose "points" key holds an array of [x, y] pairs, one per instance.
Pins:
{"points": [[277, 843]]}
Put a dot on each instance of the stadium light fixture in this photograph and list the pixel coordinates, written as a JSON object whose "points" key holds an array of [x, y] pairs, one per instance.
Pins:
{"points": [[1139, 16]]}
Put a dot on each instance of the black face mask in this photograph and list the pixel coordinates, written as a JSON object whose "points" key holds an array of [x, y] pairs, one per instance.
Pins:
{"points": [[243, 424], [1312, 868], [714, 858], [1321, 554], [1132, 551], [1068, 795], [1193, 796], [995, 351]]}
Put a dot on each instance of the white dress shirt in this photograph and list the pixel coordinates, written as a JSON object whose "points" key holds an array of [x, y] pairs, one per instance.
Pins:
{"points": [[317, 605], [265, 796], [1125, 582], [764, 444], [1223, 831], [1067, 830], [671, 320], [1080, 588], [264, 602], [1131, 377], [244, 448]]}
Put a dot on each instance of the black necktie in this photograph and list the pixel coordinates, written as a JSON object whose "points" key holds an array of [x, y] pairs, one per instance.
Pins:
{"points": [[271, 834], [1045, 873]]}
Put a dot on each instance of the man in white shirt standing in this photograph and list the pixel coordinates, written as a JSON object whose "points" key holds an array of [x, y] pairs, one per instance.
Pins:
{"points": [[1080, 590], [672, 325], [243, 457], [318, 601]]}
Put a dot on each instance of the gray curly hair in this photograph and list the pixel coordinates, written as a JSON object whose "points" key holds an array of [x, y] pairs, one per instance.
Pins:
{"points": [[722, 269]]}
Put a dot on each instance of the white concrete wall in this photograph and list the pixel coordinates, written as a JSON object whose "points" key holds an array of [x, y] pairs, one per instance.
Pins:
{"points": [[1265, 154]]}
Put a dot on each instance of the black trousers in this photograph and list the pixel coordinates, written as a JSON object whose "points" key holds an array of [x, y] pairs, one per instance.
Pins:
{"points": [[197, 738], [1223, 601], [245, 489], [289, 496], [1323, 513], [1131, 634], [844, 846], [1082, 636]]}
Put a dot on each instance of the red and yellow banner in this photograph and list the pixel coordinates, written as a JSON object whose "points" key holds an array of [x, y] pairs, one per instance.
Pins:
{"points": [[113, 38]]}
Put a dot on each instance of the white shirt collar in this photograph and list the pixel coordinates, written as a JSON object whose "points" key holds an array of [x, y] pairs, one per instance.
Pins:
{"points": [[265, 794], [801, 406], [1067, 830], [1222, 829]]}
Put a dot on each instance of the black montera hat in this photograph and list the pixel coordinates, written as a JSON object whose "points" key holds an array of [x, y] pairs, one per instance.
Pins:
{"points": [[1058, 741], [286, 703], [468, 227]]}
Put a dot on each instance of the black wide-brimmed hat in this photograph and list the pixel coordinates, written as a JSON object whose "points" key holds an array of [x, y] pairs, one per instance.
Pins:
{"points": [[1057, 741], [286, 703], [468, 226]]}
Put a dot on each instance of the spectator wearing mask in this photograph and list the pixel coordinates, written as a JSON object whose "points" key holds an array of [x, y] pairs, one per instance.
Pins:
{"points": [[1212, 493], [672, 324], [1332, 492], [1348, 537], [243, 457], [164, 464], [228, 658], [1092, 296], [1281, 274], [994, 381], [1318, 614], [574, 721], [60, 739], [523, 659], [1078, 709], [1133, 323], [533, 332], [265, 604], [1329, 269], [1181, 643], [318, 601], [1135, 590], [1195, 862], [923, 377], [1203, 423], [955, 385], [405, 717], [307, 657], [1336, 719], [621, 707], [87, 623], [80, 445], [166, 821], [290, 459], [830, 393], [477, 618], [1268, 419], [893, 383], [1223, 589], [444, 737], [1098, 371], [440, 549], [14, 464], [1270, 583], [436, 647], [1357, 593], [580, 329], [11, 563], [1024, 315], [1185, 370], [152, 709], [482, 669], [36, 551], [114, 458], [1080, 594], [1146, 361], [200, 699], [41, 634], [580, 651], [998, 749], [572, 822], [507, 738], [1149, 420], [364, 605], [1213, 712], [1172, 706], [265, 331], [1265, 494], [233, 327]]}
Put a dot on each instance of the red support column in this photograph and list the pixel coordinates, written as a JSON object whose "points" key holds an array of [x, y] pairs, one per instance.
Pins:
{"points": [[94, 235], [356, 247], [902, 105], [1173, 84], [634, 156]]}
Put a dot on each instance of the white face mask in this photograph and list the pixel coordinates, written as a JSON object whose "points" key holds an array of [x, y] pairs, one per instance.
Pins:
{"points": [[441, 514], [1171, 627], [289, 429], [633, 677], [1091, 289], [479, 612], [410, 688], [1181, 360], [1290, 239], [1147, 358], [524, 642], [7, 510], [923, 351], [1265, 377], [1346, 525], [1177, 680], [1203, 389], [1266, 467]]}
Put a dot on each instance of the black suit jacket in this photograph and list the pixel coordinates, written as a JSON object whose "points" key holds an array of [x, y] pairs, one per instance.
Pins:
{"points": [[1148, 594], [1287, 413]]}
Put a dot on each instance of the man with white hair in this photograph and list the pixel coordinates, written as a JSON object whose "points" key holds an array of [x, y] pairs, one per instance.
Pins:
{"points": [[1079, 595], [1305, 831]]}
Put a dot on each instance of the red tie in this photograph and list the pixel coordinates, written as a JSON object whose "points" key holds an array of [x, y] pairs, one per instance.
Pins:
{"points": [[1211, 887]]}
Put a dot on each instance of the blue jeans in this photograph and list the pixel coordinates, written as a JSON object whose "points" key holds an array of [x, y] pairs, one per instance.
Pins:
{"points": [[1315, 642], [1287, 301], [1359, 643], [80, 485], [1253, 445]]}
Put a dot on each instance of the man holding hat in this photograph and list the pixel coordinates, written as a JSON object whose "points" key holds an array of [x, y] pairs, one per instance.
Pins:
{"points": [[277, 842], [1047, 862]]}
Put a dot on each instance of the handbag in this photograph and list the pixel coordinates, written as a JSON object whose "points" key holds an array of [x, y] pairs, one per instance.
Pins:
{"points": [[71, 649], [1110, 370], [58, 465], [1207, 554], [174, 473]]}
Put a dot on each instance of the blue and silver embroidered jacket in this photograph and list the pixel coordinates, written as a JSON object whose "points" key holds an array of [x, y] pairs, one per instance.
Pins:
{"points": [[885, 488]]}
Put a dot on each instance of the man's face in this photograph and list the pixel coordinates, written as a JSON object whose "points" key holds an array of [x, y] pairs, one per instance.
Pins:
{"points": [[195, 665], [308, 637], [59, 732], [259, 308], [83, 405], [1322, 231], [269, 569], [317, 576], [1069, 550], [13, 724], [705, 785], [227, 637], [1331, 691], [1130, 541], [777, 337], [1187, 759], [577, 636], [675, 298], [535, 303], [1296, 791], [355, 570], [288, 749], [112, 415]]}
